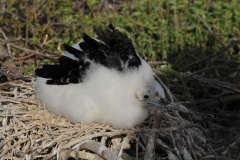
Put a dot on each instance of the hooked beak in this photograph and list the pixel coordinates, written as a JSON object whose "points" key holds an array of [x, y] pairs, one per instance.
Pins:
{"points": [[158, 103]]}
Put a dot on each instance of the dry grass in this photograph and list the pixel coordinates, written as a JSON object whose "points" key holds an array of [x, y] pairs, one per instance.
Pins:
{"points": [[30, 131]]}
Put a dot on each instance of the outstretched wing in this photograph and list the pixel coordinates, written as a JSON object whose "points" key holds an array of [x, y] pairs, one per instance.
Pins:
{"points": [[114, 50]]}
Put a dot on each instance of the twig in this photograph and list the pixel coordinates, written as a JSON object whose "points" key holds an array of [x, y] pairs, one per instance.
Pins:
{"points": [[174, 144], [5, 37], [44, 113], [34, 52], [157, 62], [150, 148], [157, 71], [24, 57], [232, 145], [17, 101], [122, 145], [214, 83], [14, 77], [155, 10], [79, 155], [30, 43], [100, 149], [120, 132], [11, 147], [168, 91], [223, 49], [44, 146], [205, 69], [5, 56], [204, 22]]}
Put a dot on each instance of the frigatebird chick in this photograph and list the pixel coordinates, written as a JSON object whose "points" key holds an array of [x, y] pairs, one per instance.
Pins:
{"points": [[100, 80]]}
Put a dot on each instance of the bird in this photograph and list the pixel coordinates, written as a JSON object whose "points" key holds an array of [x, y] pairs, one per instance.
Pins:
{"points": [[100, 79]]}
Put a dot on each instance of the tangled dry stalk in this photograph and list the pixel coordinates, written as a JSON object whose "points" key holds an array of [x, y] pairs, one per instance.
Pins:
{"points": [[28, 130]]}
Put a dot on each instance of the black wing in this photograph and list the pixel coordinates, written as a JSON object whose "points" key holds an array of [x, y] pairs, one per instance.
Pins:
{"points": [[116, 52]]}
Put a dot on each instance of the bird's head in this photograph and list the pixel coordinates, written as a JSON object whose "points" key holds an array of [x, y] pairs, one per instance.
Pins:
{"points": [[150, 96]]}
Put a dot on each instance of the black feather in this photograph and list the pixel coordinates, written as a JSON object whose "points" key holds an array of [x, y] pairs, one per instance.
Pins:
{"points": [[64, 79], [114, 50], [68, 65], [80, 62], [74, 72], [64, 59], [134, 62], [72, 80], [50, 81], [110, 26], [77, 53], [90, 41], [41, 72], [58, 82], [87, 64], [55, 74], [124, 57], [113, 62]]}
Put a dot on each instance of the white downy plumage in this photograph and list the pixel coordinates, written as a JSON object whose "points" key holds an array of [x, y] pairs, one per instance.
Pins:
{"points": [[121, 99]]}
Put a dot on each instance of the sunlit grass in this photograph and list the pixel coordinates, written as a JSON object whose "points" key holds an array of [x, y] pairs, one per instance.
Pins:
{"points": [[160, 29]]}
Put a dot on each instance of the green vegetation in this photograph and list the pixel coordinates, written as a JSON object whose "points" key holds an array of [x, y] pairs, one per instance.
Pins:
{"points": [[160, 29], [178, 31]]}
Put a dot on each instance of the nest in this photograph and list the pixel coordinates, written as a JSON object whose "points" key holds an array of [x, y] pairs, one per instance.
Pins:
{"points": [[30, 131]]}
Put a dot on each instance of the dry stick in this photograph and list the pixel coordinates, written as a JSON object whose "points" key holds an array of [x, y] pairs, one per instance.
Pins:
{"points": [[100, 149], [171, 155], [122, 145], [216, 83], [44, 146], [156, 11], [126, 156], [160, 81], [24, 57], [44, 113], [223, 49], [11, 147], [81, 154], [37, 53], [163, 145], [204, 22], [205, 69], [17, 101], [138, 144], [8, 60], [157, 62], [2, 143], [232, 145], [13, 84], [5, 37], [91, 136], [151, 145], [174, 144], [120, 132], [66, 154], [13, 77], [30, 43]]}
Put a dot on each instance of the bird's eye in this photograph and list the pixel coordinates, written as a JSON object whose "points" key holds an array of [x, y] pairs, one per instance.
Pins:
{"points": [[146, 96]]}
